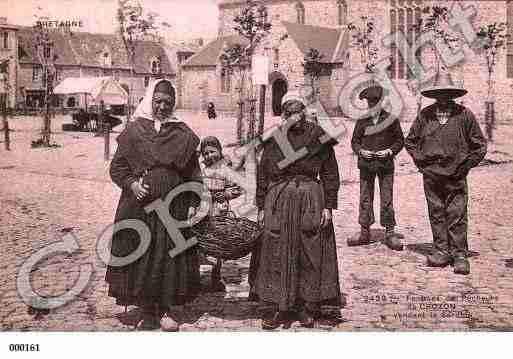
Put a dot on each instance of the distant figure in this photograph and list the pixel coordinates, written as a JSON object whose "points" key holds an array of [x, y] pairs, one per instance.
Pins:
{"points": [[211, 111]]}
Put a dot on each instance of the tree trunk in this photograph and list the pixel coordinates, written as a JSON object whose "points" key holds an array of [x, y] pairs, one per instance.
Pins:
{"points": [[3, 108], [240, 116], [46, 116]]}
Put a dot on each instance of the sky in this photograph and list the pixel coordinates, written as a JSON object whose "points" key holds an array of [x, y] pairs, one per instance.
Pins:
{"points": [[189, 19]]}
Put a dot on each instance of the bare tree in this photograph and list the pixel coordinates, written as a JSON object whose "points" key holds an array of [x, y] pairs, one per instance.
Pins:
{"points": [[252, 25], [313, 68], [435, 20], [135, 25], [493, 39], [46, 57], [363, 39]]}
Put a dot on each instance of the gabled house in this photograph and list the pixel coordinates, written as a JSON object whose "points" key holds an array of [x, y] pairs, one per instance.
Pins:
{"points": [[203, 71], [82, 54]]}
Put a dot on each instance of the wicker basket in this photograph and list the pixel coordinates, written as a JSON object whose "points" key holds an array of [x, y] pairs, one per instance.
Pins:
{"points": [[227, 236]]}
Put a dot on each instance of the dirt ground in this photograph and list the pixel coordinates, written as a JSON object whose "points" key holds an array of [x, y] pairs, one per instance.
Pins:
{"points": [[46, 193]]}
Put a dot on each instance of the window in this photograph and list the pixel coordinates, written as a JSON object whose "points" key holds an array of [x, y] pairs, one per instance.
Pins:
{"points": [[5, 40], [226, 81], [155, 66], [146, 81], [36, 74], [404, 14], [300, 10], [106, 59], [342, 12], [509, 21], [48, 52]]}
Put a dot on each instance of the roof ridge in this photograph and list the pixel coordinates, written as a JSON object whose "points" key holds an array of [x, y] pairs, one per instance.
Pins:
{"points": [[341, 37], [74, 51]]}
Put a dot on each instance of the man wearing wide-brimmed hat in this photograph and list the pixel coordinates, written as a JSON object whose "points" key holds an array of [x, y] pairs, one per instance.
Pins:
{"points": [[376, 141], [445, 142]]}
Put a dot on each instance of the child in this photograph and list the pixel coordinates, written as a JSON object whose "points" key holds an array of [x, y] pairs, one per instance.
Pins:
{"points": [[214, 170]]}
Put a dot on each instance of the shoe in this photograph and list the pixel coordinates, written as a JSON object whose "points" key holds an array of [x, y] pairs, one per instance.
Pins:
{"points": [[392, 241], [461, 266], [306, 320], [363, 239], [271, 322], [168, 324], [148, 322], [439, 259]]}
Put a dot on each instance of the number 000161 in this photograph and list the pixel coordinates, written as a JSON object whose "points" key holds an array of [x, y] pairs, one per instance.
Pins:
{"points": [[24, 347]]}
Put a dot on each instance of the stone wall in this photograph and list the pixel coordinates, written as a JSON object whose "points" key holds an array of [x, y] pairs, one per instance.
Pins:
{"points": [[202, 85], [10, 53], [136, 82], [471, 73], [317, 12]]}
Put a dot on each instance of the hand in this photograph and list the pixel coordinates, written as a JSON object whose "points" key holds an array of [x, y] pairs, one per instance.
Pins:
{"points": [[327, 217], [384, 153], [140, 189], [462, 171], [231, 193], [260, 218], [192, 212], [367, 154]]}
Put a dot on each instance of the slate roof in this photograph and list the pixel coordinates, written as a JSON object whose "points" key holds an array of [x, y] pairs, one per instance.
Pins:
{"points": [[333, 43], [209, 54], [84, 49]]}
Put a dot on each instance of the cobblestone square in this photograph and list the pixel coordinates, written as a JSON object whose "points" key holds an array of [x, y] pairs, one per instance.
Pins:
{"points": [[46, 193]]}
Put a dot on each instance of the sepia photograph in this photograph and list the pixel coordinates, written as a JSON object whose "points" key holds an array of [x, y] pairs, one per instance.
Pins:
{"points": [[311, 166]]}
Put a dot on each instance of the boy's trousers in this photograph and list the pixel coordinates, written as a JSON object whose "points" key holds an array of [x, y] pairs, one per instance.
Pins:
{"points": [[386, 191]]}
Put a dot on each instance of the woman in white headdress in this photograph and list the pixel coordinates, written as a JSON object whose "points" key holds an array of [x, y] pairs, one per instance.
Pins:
{"points": [[155, 154], [297, 264]]}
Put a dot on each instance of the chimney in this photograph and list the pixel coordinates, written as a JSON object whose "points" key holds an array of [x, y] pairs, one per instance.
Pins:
{"points": [[3, 20]]}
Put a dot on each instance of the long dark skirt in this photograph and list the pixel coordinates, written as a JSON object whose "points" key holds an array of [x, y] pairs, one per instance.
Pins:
{"points": [[155, 278], [298, 260]]}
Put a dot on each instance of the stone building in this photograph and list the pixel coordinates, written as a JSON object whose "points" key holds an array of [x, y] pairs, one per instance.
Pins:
{"points": [[81, 54], [322, 24], [8, 61], [178, 53]]}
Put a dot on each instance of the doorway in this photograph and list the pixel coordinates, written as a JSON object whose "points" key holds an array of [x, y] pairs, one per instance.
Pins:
{"points": [[279, 90]]}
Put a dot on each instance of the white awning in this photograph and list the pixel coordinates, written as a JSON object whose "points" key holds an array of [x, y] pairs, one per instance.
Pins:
{"points": [[99, 88]]}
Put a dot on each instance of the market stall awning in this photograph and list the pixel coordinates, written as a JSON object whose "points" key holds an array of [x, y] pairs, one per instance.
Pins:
{"points": [[99, 88]]}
